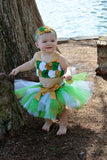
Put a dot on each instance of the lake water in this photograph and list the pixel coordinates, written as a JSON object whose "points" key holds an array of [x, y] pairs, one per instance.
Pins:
{"points": [[72, 18]]}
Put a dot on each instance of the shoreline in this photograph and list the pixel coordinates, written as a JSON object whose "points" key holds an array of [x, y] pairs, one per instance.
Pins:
{"points": [[79, 38]]}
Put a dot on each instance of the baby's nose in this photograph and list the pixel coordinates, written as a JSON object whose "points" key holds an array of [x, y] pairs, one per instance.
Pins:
{"points": [[49, 42]]}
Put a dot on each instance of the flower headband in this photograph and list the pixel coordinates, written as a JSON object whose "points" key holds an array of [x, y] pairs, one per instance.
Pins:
{"points": [[44, 29]]}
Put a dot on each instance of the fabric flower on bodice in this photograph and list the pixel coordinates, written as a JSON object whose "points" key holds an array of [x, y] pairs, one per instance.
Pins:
{"points": [[45, 73], [39, 73], [59, 67], [51, 74], [55, 66], [57, 73], [37, 64], [48, 66], [62, 73], [42, 66]]}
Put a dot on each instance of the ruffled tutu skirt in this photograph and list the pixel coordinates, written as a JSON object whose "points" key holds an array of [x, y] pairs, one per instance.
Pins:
{"points": [[71, 94]]}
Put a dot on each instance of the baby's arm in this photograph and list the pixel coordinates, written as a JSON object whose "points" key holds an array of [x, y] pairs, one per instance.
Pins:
{"points": [[24, 67], [67, 70]]}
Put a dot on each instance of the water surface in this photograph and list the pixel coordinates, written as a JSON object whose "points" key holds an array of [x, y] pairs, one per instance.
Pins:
{"points": [[71, 18]]}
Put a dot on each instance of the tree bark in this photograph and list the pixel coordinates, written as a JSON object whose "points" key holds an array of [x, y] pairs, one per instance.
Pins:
{"points": [[19, 20], [102, 56], [11, 117]]}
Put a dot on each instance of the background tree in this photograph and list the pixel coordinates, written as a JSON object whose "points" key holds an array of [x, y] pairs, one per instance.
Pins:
{"points": [[18, 21]]}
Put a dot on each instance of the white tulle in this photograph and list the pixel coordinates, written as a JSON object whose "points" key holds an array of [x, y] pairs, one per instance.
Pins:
{"points": [[68, 100], [30, 91], [20, 83], [44, 102], [86, 85], [83, 87]]}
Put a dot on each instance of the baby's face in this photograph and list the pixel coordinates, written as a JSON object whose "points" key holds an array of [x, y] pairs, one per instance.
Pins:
{"points": [[47, 42]]}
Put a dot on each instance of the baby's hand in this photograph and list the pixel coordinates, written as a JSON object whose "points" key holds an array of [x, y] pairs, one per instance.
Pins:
{"points": [[14, 72], [67, 76]]}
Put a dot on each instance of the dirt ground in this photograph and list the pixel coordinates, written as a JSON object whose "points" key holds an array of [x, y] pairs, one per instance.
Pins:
{"points": [[86, 138]]}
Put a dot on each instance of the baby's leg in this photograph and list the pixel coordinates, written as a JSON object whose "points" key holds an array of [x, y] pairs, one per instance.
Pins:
{"points": [[47, 125], [63, 122]]}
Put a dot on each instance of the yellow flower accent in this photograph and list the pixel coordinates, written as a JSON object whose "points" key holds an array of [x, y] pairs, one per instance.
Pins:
{"points": [[40, 32], [39, 72], [44, 29], [57, 73], [48, 66], [47, 29]]}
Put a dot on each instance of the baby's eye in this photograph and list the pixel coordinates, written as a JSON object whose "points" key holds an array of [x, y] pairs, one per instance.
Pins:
{"points": [[52, 40], [44, 41]]}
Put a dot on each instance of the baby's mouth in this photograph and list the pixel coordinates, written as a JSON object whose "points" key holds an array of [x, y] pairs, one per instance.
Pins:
{"points": [[48, 47]]}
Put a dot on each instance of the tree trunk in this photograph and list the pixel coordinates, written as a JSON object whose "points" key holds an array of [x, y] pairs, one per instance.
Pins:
{"points": [[19, 20], [102, 55], [11, 117]]}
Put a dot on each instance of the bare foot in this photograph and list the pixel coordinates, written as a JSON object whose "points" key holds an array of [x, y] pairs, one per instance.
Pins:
{"points": [[47, 125], [63, 122], [62, 130]]}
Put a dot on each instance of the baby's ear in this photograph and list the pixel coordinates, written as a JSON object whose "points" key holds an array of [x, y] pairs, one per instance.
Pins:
{"points": [[37, 45]]}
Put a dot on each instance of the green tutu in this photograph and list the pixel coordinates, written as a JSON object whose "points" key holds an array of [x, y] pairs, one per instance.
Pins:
{"points": [[71, 94]]}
